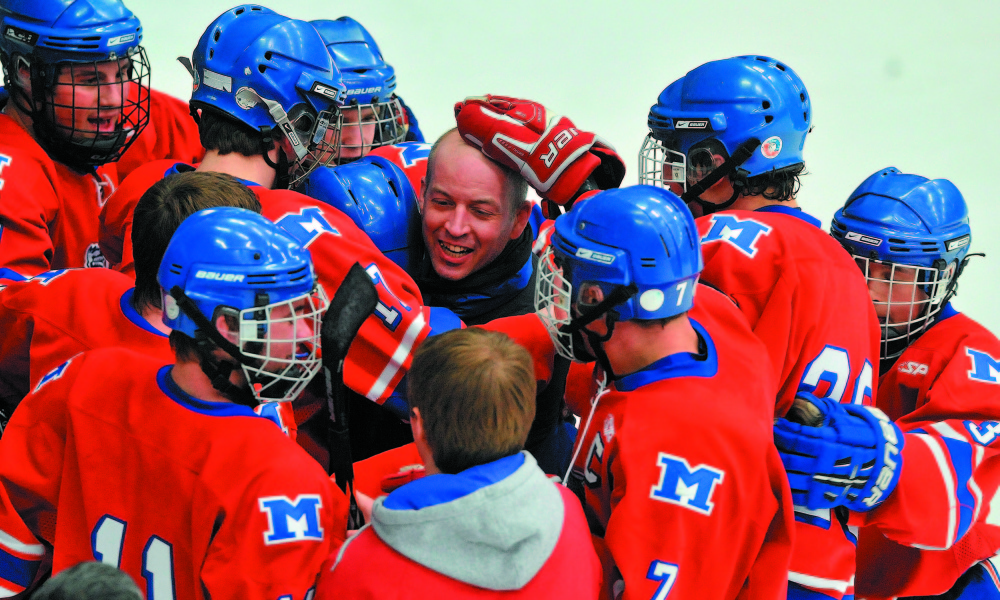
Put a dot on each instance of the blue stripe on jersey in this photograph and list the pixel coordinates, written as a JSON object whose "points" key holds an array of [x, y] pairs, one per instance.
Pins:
{"points": [[798, 213], [133, 315], [682, 364], [961, 460], [213, 409], [10, 274], [17, 570]]}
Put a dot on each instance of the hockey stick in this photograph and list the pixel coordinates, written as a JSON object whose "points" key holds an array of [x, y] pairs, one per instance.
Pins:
{"points": [[353, 301]]}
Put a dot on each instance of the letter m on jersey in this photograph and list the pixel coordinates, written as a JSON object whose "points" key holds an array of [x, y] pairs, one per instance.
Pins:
{"points": [[289, 521], [741, 233], [985, 368], [680, 484]]}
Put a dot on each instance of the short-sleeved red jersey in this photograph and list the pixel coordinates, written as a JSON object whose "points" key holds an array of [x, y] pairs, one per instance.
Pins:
{"points": [[944, 393], [381, 352], [48, 212], [193, 499]]}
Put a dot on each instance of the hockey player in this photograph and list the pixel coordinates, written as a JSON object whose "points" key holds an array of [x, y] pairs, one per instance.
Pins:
{"points": [[289, 52], [373, 115], [162, 469], [666, 482], [910, 236], [56, 315], [728, 137], [79, 96], [486, 522]]}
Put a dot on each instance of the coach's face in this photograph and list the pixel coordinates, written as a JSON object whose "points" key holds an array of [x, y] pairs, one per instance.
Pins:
{"points": [[467, 220]]}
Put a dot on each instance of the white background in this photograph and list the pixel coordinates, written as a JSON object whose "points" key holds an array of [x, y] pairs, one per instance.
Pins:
{"points": [[911, 84]]}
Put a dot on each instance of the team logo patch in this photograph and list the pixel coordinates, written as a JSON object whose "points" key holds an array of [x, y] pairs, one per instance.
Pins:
{"points": [[771, 147], [685, 486], [93, 257], [863, 239], [292, 521], [609, 427], [985, 368]]}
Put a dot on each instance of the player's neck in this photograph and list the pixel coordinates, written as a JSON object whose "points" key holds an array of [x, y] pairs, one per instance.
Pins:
{"points": [[19, 117], [250, 168], [192, 380], [155, 318], [634, 347], [755, 202]]}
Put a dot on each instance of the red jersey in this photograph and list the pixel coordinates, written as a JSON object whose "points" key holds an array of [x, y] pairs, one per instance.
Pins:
{"points": [[54, 316], [380, 353], [196, 499], [670, 458], [171, 133], [48, 212], [944, 393], [804, 297]]}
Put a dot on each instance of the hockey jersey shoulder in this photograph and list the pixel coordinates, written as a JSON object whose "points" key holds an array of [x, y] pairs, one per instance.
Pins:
{"points": [[171, 134]]}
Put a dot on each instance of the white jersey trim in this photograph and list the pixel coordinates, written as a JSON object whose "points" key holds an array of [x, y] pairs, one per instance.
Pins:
{"points": [[398, 358], [819, 582], [9, 541], [949, 484]]}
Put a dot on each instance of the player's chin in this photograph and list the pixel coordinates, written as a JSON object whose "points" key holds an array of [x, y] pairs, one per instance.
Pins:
{"points": [[454, 267]]}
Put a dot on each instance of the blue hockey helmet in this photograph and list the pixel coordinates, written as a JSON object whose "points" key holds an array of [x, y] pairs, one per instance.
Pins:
{"points": [[98, 117], [235, 263], [910, 235], [378, 197], [632, 252], [754, 111], [372, 115], [273, 74]]}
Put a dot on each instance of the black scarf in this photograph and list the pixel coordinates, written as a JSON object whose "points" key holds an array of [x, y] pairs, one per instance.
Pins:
{"points": [[485, 290]]}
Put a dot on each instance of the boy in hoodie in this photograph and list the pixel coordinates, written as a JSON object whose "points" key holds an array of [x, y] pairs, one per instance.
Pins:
{"points": [[485, 519]]}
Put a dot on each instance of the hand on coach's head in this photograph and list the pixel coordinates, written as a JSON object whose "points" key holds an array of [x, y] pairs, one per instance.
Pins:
{"points": [[471, 208]]}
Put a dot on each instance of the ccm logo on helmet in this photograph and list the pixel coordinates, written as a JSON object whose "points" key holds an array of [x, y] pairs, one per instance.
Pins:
{"points": [[370, 90], [20, 35], [231, 277]]}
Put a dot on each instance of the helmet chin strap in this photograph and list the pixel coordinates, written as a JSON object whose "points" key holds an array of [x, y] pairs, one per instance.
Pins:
{"points": [[742, 153], [576, 327], [282, 176], [208, 338]]}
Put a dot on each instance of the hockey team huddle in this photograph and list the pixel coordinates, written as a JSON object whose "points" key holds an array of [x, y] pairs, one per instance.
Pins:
{"points": [[269, 344]]}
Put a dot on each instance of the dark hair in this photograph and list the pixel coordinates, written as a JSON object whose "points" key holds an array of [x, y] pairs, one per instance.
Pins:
{"points": [[160, 211], [89, 581], [224, 134], [475, 390], [777, 184], [515, 186]]}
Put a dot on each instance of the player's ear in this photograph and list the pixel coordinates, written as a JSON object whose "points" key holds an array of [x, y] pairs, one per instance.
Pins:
{"points": [[228, 326], [422, 198], [521, 219]]}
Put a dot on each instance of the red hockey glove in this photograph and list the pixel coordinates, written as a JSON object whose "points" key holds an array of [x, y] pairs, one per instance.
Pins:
{"points": [[556, 159], [402, 477]]}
